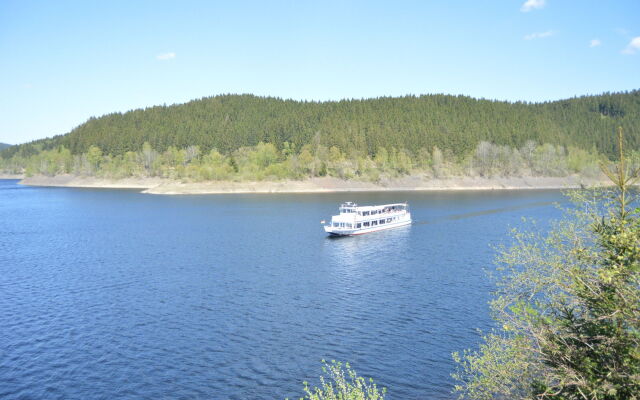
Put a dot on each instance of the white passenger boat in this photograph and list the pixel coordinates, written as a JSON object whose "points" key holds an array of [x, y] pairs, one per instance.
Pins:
{"points": [[356, 220]]}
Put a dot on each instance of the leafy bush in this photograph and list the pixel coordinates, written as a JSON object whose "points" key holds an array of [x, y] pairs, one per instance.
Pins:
{"points": [[340, 383], [568, 307]]}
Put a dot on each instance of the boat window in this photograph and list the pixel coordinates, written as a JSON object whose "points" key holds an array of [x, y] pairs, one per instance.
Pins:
{"points": [[358, 225], [388, 219], [365, 213], [348, 225], [374, 223], [366, 223], [381, 221]]}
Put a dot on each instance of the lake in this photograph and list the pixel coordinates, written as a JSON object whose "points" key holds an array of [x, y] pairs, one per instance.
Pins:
{"points": [[116, 294]]}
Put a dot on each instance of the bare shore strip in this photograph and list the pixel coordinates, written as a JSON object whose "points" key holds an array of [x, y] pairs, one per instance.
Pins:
{"points": [[10, 176], [313, 185]]}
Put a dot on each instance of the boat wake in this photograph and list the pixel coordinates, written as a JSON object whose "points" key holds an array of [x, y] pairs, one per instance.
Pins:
{"points": [[484, 212]]}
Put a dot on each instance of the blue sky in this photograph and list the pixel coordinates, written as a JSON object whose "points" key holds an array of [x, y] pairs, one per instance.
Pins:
{"points": [[65, 61]]}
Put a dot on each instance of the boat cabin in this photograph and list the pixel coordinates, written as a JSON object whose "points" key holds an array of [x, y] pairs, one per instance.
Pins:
{"points": [[354, 217]]}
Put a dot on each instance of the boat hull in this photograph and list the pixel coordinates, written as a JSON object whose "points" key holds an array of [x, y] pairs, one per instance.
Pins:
{"points": [[353, 232]]}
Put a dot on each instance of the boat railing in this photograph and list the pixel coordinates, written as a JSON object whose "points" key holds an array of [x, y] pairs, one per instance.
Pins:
{"points": [[381, 212]]}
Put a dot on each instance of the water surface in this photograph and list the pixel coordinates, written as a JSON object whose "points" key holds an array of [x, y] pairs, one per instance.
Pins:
{"points": [[116, 294]]}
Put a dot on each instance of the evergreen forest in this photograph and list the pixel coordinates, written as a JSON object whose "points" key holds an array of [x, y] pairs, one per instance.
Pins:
{"points": [[250, 137]]}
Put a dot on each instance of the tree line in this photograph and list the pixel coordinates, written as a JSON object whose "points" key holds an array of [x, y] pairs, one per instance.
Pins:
{"points": [[451, 123], [265, 161]]}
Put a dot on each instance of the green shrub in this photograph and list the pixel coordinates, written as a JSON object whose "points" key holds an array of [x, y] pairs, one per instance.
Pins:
{"points": [[340, 383]]}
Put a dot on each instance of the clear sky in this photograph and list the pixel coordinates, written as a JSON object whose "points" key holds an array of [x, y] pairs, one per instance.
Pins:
{"points": [[62, 62]]}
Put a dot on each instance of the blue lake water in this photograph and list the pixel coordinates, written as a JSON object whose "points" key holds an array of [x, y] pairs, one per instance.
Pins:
{"points": [[115, 294]]}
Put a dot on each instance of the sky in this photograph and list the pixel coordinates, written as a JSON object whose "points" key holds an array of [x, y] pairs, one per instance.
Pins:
{"points": [[62, 62]]}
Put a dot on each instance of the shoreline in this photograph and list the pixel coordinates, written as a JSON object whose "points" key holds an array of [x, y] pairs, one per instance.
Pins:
{"points": [[11, 176], [314, 185]]}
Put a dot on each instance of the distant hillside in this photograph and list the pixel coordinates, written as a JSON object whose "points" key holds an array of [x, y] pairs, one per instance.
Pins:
{"points": [[454, 123], [4, 146]]}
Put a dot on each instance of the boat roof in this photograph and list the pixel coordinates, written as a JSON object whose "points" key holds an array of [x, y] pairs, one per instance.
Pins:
{"points": [[354, 205]]}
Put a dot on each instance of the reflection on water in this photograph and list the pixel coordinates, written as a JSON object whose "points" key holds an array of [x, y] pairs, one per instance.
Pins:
{"points": [[115, 294], [356, 250]]}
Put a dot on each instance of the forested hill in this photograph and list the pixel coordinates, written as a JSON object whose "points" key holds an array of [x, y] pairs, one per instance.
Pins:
{"points": [[4, 146], [456, 123]]}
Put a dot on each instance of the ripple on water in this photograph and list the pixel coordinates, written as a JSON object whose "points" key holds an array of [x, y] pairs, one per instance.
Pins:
{"points": [[114, 294]]}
